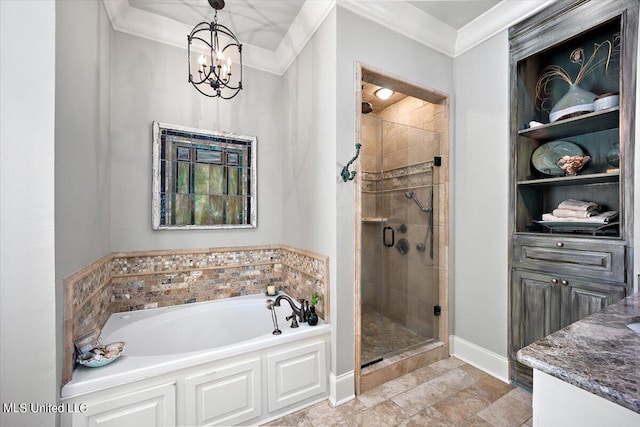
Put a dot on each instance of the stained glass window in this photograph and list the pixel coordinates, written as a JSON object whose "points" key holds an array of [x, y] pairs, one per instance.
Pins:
{"points": [[203, 179]]}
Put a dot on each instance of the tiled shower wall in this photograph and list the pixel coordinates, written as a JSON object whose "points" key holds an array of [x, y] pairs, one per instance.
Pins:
{"points": [[141, 280], [413, 133]]}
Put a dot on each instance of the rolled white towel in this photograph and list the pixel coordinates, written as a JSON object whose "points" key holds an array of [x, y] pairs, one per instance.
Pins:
{"points": [[571, 213], [578, 205], [602, 218]]}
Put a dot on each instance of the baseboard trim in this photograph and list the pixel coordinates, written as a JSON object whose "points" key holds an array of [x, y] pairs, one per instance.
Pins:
{"points": [[490, 362], [341, 388]]}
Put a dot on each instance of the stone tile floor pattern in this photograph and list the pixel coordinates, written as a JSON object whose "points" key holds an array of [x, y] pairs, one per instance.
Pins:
{"points": [[382, 336], [446, 393]]}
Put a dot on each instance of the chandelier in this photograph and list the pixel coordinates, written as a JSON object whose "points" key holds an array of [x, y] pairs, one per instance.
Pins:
{"points": [[218, 53]]}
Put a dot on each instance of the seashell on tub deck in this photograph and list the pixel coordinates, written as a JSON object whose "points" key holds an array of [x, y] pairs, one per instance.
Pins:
{"points": [[101, 355], [572, 164]]}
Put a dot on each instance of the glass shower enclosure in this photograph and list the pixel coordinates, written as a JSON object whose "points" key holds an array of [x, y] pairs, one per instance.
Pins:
{"points": [[399, 265]]}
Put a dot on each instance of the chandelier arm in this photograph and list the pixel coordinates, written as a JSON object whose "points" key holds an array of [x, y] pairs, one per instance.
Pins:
{"points": [[232, 96], [206, 26], [204, 93], [226, 31], [202, 40]]}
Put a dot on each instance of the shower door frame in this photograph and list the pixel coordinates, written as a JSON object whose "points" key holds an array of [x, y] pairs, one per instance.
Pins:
{"points": [[432, 96]]}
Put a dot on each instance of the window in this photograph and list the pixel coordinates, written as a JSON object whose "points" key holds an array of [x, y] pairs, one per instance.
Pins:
{"points": [[203, 179]]}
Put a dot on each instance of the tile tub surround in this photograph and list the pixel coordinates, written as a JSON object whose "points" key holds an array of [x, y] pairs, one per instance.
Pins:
{"points": [[598, 354], [149, 279]]}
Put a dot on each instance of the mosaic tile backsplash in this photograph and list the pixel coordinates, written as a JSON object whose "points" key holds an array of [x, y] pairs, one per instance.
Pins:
{"points": [[142, 280]]}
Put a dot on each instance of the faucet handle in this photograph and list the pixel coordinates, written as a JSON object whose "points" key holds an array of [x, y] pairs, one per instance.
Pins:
{"points": [[294, 321]]}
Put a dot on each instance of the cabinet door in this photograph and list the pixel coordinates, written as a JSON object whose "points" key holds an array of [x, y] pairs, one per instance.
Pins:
{"points": [[226, 394], [296, 374], [535, 308], [580, 298], [151, 407]]}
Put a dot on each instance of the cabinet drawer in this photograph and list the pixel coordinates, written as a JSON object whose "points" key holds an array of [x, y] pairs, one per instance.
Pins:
{"points": [[596, 259]]}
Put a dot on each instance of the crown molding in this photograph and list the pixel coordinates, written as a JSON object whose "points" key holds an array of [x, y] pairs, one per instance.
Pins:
{"points": [[415, 25], [498, 18], [137, 22], [311, 16], [437, 35], [405, 19]]}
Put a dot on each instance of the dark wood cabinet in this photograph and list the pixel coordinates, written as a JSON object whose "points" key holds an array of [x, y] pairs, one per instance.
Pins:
{"points": [[544, 303], [581, 298], [537, 307], [562, 271]]}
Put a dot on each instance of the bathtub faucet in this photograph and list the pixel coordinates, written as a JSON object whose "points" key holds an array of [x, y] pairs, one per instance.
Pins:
{"points": [[301, 313]]}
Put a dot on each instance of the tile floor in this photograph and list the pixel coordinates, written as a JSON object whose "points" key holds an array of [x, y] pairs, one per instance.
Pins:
{"points": [[446, 393]]}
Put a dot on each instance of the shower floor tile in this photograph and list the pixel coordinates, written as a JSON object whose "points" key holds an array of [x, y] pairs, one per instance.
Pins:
{"points": [[382, 336]]}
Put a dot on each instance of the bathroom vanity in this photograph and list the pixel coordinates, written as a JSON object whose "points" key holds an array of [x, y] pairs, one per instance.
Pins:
{"points": [[588, 374]]}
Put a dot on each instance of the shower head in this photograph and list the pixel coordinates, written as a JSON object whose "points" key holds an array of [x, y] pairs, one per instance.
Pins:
{"points": [[367, 107], [409, 195]]}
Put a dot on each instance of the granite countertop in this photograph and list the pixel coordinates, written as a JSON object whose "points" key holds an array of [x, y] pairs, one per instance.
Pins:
{"points": [[599, 354]]}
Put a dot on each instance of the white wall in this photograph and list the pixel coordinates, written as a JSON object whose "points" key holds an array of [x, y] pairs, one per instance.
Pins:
{"points": [[149, 83], [82, 160], [361, 40], [480, 171], [310, 135], [309, 156], [27, 249]]}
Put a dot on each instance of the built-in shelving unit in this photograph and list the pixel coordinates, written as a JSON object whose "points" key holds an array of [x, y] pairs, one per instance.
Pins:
{"points": [[594, 178], [562, 271], [587, 123]]}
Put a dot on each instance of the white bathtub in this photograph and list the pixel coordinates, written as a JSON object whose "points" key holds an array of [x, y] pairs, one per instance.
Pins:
{"points": [[171, 344]]}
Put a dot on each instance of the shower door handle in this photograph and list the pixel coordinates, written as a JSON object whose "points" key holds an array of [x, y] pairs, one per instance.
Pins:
{"points": [[384, 236]]}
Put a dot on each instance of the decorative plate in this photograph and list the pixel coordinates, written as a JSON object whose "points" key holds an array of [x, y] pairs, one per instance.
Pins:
{"points": [[545, 157]]}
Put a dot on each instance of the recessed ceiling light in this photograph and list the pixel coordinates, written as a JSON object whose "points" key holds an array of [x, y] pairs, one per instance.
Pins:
{"points": [[383, 93]]}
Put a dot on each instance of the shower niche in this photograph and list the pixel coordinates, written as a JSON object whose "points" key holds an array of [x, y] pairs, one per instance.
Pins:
{"points": [[403, 175]]}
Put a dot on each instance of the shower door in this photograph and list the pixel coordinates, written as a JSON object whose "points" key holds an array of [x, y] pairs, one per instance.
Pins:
{"points": [[399, 257]]}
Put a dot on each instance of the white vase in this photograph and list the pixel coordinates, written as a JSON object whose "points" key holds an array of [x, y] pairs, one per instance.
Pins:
{"points": [[575, 102]]}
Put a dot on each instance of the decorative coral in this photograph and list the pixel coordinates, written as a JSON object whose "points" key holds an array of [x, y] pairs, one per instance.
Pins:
{"points": [[572, 164]]}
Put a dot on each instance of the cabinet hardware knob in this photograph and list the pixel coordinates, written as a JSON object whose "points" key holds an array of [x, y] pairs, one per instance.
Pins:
{"points": [[559, 244], [554, 281], [564, 282]]}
